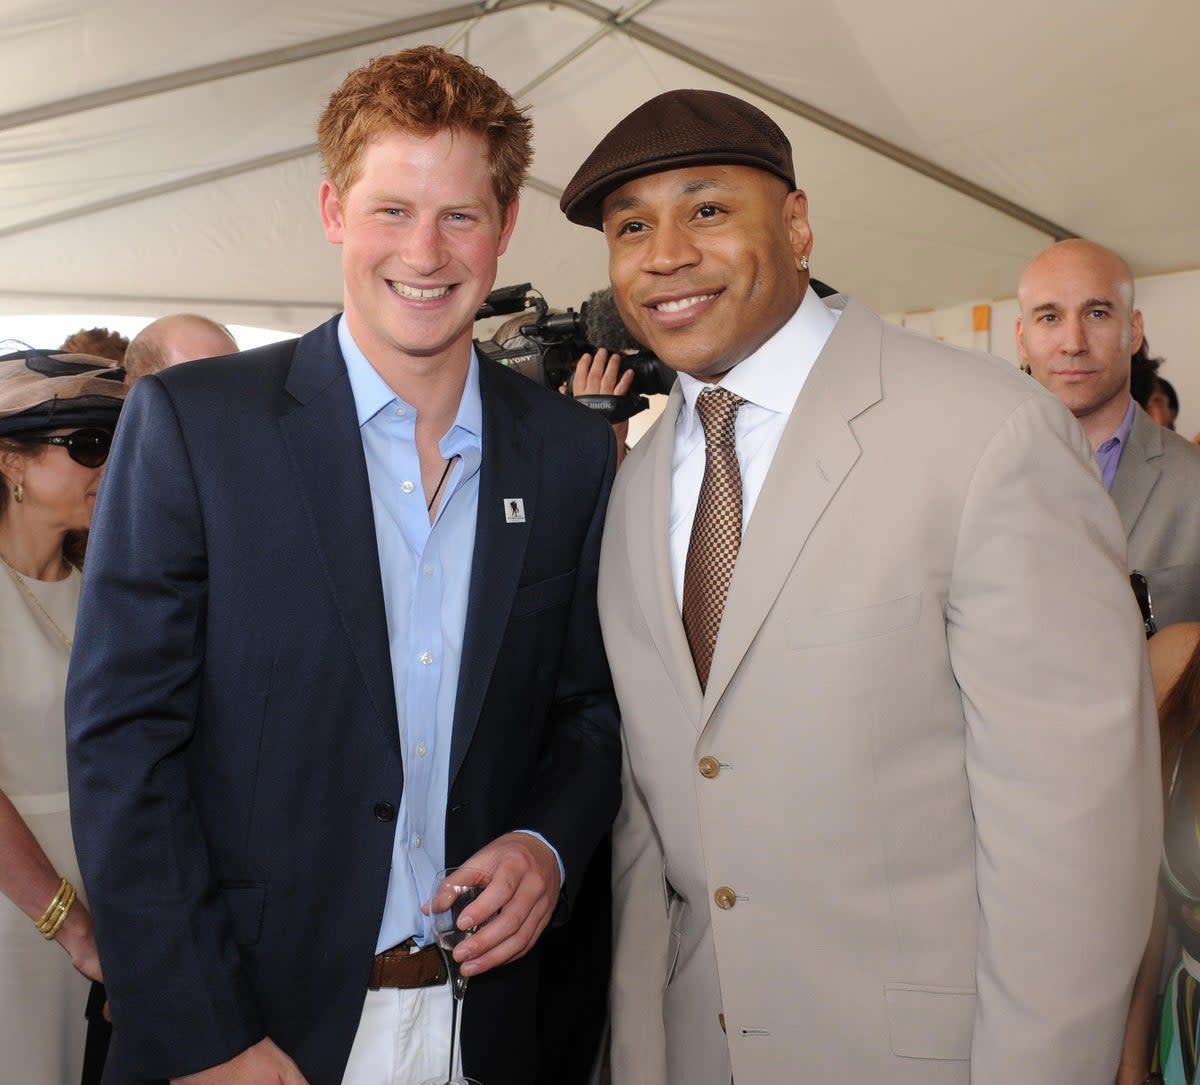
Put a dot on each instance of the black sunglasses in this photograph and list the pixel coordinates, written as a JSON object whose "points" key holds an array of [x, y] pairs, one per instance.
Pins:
{"points": [[1141, 592], [87, 447]]}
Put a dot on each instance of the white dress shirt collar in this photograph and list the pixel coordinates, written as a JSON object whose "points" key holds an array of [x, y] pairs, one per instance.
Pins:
{"points": [[773, 375]]}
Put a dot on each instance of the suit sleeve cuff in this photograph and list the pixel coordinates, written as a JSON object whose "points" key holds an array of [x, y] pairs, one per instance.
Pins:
{"points": [[562, 871]]}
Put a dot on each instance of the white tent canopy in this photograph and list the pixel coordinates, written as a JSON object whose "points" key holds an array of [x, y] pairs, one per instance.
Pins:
{"points": [[160, 156]]}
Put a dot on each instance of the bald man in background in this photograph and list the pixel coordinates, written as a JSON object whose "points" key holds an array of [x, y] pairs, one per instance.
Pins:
{"points": [[180, 337], [1075, 333]]}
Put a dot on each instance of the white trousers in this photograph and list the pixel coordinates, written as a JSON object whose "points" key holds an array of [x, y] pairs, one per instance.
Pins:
{"points": [[403, 1038]]}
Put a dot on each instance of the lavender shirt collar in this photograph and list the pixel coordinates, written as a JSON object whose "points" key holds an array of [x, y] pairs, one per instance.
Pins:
{"points": [[1108, 455]]}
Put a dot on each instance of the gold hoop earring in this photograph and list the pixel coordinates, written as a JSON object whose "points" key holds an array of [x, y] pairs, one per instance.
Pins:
{"points": [[19, 492]]}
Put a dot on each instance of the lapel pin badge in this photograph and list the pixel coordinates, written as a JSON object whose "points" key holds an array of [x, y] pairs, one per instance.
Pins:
{"points": [[514, 510]]}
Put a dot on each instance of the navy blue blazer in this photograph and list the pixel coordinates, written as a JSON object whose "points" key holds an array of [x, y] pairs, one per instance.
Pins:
{"points": [[233, 746]]}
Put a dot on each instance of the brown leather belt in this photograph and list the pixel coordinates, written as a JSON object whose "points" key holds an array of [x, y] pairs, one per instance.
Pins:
{"points": [[405, 966]]}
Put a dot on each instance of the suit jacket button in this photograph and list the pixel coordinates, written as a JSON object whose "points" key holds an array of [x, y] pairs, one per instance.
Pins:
{"points": [[725, 897], [385, 811], [710, 767]]}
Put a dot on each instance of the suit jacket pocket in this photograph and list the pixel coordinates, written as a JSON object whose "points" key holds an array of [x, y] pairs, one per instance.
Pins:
{"points": [[842, 626], [543, 595], [677, 917], [245, 904], [1179, 583], [930, 1022]]}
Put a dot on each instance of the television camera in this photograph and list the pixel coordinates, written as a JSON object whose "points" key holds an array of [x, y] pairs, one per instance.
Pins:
{"points": [[546, 347]]}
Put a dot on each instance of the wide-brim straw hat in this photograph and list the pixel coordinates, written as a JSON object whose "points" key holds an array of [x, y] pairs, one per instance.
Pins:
{"points": [[43, 390]]}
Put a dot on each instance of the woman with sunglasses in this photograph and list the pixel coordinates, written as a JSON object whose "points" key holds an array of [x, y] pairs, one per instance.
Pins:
{"points": [[57, 413]]}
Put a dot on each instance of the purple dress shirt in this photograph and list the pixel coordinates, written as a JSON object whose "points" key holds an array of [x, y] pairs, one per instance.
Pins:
{"points": [[1108, 455]]}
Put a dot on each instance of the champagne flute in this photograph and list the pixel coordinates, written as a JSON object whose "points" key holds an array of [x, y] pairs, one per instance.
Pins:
{"points": [[453, 890]]}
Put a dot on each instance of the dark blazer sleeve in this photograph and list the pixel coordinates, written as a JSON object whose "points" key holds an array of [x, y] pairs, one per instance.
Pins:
{"points": [[163, 929], [577, 790]]}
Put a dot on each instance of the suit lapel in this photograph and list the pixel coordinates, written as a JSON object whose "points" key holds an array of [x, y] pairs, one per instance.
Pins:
{"points": [[1138, 470], [319, 425], [817, 452], [510, 468], [647, 540]]}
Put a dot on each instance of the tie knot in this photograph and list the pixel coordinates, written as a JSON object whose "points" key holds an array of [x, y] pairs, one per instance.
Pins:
{"points": [[718, 408]]}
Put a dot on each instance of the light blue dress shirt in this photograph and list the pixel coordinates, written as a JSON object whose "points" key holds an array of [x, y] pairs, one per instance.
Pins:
{"points": [[426, 572]]}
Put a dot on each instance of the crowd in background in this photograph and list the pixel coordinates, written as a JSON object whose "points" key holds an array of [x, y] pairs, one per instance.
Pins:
{"points": [[190, 717]]}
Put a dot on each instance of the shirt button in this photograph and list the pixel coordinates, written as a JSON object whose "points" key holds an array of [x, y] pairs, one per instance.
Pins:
{"points": [[428, 570], [407, 487], [385, 811], [426, 658], [422, 749], [400, 412], [416, 841]]}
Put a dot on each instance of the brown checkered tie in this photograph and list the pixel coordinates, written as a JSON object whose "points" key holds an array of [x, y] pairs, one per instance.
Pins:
{"points": [[716, 531]]}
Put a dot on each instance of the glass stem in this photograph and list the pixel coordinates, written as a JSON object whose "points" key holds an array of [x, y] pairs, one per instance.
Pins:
{"points": [[456, 1005]]}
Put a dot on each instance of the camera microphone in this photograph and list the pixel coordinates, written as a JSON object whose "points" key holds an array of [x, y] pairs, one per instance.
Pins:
{"points": [[604, 325]]}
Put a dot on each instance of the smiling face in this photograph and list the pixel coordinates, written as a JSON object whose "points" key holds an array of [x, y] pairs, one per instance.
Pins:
{"points": [[1077, 328], [421, 231], [704, 262]]}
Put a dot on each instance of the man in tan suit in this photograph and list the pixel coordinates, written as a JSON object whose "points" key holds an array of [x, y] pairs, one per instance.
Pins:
{"points": [[1075, 333], [898, 824]]}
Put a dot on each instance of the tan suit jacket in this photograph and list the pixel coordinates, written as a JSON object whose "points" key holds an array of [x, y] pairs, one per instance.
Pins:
{"points": [[1157, 491], [933, 776]]}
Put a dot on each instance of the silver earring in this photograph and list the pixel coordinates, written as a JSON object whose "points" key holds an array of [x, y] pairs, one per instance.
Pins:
{"points": [[19, 492], [803, 263]]}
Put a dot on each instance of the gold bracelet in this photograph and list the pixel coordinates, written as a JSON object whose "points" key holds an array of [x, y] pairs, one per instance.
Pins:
{"points": [[56, 914], [60, 916], [63, 886]]}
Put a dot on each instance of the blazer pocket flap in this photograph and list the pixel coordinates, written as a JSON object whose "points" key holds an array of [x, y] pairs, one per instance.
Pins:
{"points": [[843, 626], [543, 595], [930, 1022], [245, 904], [1171, 578]]}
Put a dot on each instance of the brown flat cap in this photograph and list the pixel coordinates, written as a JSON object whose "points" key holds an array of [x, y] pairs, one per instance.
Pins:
{"points": [[676, 129], [42, 390]]}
